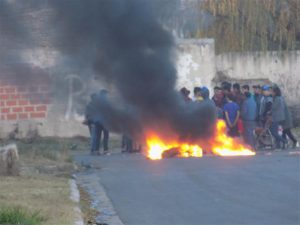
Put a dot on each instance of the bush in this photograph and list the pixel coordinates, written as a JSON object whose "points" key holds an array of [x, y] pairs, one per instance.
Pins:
{"points": [[18, 216]]}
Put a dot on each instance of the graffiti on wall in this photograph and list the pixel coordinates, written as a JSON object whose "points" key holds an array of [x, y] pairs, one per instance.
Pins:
{"points": [[76, 89]]}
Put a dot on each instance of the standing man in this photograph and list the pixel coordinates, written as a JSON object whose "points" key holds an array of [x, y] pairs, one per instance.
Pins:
{"points": [[226, 88], [265, 109], [97, 126], [249, 116], [278, 117], [237, 94], [219, 100], [232, 115]]}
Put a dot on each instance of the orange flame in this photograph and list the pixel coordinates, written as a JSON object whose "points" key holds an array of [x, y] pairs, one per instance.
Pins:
{"points": [[221, 145], [156, 148], [226, 146]]}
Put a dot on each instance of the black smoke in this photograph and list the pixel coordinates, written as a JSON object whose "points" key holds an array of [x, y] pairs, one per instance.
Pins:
{"points": [[126, 45]]}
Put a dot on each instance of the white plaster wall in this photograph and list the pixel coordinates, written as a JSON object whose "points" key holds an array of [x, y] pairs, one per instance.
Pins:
{"points": [[280, 68], [195, 63]]}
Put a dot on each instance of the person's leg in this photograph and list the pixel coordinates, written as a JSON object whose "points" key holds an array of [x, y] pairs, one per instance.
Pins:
{"points": [[284, 134], [92, 126], [291, 136], [129, 145], [274, 131], [249, 127], [105, 139], [95, 138], [123, 142]]}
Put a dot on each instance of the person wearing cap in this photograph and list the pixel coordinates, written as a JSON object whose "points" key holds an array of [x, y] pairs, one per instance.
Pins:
{"points": [[265, 109], [205, 95], [197, 95]]}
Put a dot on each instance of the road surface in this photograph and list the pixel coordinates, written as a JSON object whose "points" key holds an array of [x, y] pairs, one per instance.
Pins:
{"points": [[264, 189]]}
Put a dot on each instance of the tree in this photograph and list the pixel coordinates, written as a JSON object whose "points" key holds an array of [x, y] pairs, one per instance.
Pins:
{"points": [[252, 25]]}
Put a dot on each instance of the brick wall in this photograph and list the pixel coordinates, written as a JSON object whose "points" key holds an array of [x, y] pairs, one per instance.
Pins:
{"points": [[24, 98]]}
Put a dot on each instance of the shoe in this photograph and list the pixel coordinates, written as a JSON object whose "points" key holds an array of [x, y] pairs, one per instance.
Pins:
{"points": [[296, 145], [106, 152]]}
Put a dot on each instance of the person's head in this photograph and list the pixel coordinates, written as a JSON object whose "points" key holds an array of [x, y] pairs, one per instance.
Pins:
{"points": [[276, 91], [103, 93], [185, 92], [226, 87], [236, 88], [93, 96], [266, 90], [197, 91], [256, 89], [245, 89], [217, 90], [204, 92]]}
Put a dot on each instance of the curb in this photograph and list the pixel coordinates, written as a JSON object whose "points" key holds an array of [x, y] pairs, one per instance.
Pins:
{"points": [[75, 197], [100, 201]]}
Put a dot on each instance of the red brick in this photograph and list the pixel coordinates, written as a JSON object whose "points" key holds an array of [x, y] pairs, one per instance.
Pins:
{"points": [[29, 109], [37, 115], [10, 90], [5, 110], [4, 97], [15, 97], [11, 103], [11, 116], [23, 102], [41, 108], [23, 116], [18, 109]]}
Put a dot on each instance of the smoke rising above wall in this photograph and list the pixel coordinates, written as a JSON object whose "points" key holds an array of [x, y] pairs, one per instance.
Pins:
{"points": [[124, 44]]}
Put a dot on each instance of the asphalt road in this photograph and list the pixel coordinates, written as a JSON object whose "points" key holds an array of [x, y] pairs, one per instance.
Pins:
{"points": [[264, 189]]}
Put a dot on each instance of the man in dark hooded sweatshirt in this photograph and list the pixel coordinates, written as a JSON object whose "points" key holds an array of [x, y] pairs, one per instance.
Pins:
{"points": [[249, 115], [96, 123], [206, 100]]}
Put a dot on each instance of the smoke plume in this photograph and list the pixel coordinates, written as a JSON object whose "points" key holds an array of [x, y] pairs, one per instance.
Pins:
{"points": [[126, 45]]}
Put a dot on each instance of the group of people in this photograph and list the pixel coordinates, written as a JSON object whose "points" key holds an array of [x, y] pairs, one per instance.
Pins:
{"points": [[245, 111]]}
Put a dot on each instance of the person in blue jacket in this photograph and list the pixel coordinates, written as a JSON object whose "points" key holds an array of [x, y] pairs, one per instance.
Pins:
{"points": [[97, 124]]}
